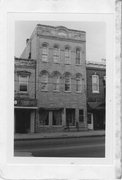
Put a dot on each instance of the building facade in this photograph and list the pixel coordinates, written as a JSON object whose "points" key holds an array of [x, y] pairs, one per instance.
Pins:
{"points": [[96, 79], [60, 77], [25, 102]]}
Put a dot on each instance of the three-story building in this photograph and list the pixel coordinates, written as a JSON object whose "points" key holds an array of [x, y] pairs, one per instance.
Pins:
{"points": [[60, 55]]}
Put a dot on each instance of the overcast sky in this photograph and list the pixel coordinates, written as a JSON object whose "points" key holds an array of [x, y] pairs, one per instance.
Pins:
{"points": [[95, 36]]}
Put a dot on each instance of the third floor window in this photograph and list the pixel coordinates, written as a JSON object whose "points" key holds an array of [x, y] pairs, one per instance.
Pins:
{"points": [[56, 53], [67, 55], [45, 53], [78, 56]]}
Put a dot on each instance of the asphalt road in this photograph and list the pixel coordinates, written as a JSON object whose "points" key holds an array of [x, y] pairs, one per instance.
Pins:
{"points": [[65, 147]]}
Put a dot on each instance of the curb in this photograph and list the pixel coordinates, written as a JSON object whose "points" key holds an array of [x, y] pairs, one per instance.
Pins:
{"points": [[58, 137]]}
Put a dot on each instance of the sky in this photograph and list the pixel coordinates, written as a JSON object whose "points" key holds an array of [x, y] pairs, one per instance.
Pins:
{"points": [[95, 36]]}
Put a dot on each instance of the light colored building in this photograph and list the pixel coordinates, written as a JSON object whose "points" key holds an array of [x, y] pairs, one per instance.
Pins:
{"points": [[60, 55]]}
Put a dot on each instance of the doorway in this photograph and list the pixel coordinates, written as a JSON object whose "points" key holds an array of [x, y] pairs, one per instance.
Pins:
{"points": [[22, 121], [70, 117]]}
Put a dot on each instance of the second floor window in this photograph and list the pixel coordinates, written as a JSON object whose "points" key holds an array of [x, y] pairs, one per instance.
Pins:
{"points": [[56, 54], [67, 55], [44, 53], [67, 83], [44, 82], [78, 84], [23, 83], [56, 82], [95, 83], [78, 56]]}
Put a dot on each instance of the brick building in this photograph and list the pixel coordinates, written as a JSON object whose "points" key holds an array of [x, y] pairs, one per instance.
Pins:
{"points": [[96, 73], [25, 103], [60, 75]]}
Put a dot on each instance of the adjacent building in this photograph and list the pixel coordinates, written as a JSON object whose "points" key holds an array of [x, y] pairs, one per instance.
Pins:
{"points": [[25, 101], [96, 81], [50, 81]]}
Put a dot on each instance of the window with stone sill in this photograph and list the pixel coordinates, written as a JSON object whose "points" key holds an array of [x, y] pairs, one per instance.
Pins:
{"points": [[56, 54], [95, 84], [78, 56], [56, 83], [78, 84], [45, 53], [67, 83], [23, 83], [67, 56], [44, 82]]}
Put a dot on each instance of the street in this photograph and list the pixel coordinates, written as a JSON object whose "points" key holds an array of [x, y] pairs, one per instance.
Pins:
{"points": [[64, 147]]}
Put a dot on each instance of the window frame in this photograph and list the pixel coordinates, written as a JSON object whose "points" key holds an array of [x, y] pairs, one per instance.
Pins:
{"points": [[44, 82], [81, 115], [67, 56], [23, 83], [45, 54], [78, 59], [57, 83], [67, 83], [78, 85], [56, 54], [97, 84]]}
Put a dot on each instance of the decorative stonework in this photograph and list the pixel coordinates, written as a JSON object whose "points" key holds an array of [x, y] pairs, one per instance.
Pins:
{"points": [[61, 32], [25, 63]]}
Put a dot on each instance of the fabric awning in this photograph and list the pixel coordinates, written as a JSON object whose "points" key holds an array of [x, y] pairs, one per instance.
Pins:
{"points": [[96, 105]]}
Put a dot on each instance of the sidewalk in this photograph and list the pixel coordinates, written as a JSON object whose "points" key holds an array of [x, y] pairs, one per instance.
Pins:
{"points": [[55, 135]]}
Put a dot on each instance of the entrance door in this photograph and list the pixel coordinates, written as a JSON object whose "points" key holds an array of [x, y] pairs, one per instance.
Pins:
{"points": [[90, 121], [22, 121], [70, 117]]}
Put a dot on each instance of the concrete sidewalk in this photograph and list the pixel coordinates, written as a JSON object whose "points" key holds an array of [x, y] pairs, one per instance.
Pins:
{"points": [[55, 135]]}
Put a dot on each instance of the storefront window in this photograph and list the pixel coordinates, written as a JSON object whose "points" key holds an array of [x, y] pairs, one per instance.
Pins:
{"points": [[44, 117], [57, 117]]}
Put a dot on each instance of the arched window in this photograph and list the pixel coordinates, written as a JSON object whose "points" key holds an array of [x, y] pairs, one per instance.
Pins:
{"points": [[67, 82], [56, 53], [44, 81], [56, 79], [78, 56], [78, 83], [67, 55], [95, 83], [44, 52]]}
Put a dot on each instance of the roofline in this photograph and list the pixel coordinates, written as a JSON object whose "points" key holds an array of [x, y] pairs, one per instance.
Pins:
{"points": [[60, 26]]}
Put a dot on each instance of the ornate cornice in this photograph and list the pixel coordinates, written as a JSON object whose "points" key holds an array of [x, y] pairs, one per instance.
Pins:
{"points": [[61, 33], [25, 63]]}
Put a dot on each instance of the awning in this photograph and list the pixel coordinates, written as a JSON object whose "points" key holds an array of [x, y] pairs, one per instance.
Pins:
{"points": [[24, 107], [96, 106]]}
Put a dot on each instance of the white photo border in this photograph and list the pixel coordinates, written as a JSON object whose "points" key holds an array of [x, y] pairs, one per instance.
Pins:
{"points": [[43, 168]]}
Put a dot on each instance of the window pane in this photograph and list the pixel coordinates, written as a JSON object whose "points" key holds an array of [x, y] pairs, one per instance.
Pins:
{"points": [[56, 82], [77, 56], [67, 55], [78, 84], [23, 82], [44, 82], [44, 117], [56, 55], [44, 53], [67, 83], [57, 117], [95, 83], [81, 115]]}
